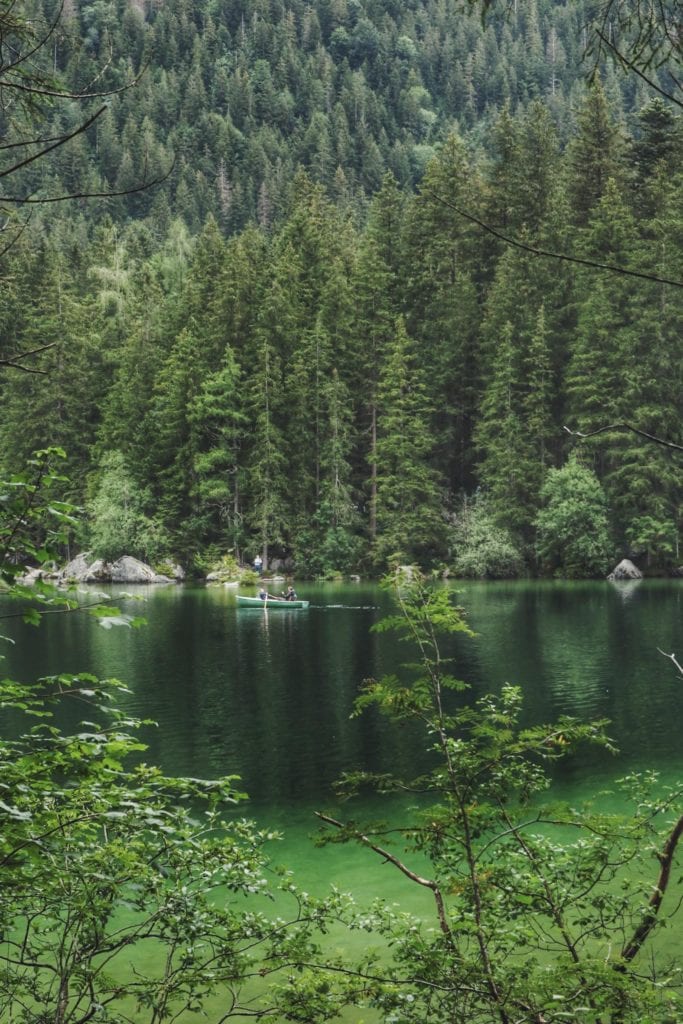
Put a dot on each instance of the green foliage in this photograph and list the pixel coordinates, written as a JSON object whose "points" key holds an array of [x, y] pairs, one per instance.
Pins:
{"points": [[655, 538], [481, 548], [541, 912], [127, 894], [233, 335], [33, 524], [126, 889], [573, 536], [117, 523]]}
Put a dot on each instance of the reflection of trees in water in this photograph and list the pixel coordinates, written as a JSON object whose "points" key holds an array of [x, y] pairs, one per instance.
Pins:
{"points": [[269, 698], [589, 650]]}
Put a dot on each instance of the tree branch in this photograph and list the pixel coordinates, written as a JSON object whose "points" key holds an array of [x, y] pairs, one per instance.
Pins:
{"points": [[626, 426], [30, 200], [673, 658], [666, 857], [15, 361], [55, 145], [35, 90], [634, 67], [426, 882], [612, 268]]}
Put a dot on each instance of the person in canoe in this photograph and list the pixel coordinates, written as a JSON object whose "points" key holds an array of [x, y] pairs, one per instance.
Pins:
{"points": [[290, 595], [265, 596]]}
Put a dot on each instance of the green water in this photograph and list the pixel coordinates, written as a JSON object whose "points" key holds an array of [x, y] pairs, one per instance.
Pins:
{"points": [[268, 697]]}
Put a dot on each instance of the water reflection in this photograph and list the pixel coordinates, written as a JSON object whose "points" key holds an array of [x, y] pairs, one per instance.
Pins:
{"points": [[625, 588], [269, 697]]}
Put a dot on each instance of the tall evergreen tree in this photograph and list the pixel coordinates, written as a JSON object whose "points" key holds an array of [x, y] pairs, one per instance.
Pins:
{"points": [[376, 288], [442, 309], [410, 523], [594, 154]]}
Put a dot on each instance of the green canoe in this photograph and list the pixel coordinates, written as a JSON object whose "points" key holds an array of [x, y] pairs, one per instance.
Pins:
{"points": [[271, 602]]}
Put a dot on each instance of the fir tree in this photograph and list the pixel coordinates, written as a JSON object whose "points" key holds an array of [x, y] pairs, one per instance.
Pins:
{"points": [[409, 516]]}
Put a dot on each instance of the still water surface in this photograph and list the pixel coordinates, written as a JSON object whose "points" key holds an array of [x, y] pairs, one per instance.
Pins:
{"points": [[269, 697]]}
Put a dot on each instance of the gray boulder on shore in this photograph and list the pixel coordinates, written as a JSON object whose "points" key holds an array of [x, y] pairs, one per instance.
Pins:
{"points": [[85, 569], [626, 570]]}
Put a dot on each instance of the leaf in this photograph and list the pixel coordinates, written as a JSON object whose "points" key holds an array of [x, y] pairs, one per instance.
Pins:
{"points": [[115, 620]]}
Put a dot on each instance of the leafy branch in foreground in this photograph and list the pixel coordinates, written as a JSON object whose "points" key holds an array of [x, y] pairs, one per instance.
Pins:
{"points": [[128, 895], [543, 912]]}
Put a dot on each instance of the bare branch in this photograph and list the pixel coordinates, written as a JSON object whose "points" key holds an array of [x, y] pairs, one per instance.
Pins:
{"points": [[22, 58], [612, 268], [15, 239], [403, 868], [626, 426], [60, 142], [15, 363], [634, 67], [149, 183], [61, 95], [674, 659]]}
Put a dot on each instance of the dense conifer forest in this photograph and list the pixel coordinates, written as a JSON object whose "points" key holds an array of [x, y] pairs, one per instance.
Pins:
{"points": [[303, 341]]}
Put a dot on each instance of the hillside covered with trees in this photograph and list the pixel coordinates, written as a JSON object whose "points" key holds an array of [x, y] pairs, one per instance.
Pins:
{"points": [[306, 340]]}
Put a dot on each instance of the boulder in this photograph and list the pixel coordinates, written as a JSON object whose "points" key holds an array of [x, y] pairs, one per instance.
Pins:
{"points": [[85, 569], [97, 572], [77, 568], [33, 575], [626, 570], [281, 565], [131, 570]]}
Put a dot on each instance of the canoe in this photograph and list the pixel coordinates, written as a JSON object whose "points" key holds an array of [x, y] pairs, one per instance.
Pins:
{"points": [[256, 602]]}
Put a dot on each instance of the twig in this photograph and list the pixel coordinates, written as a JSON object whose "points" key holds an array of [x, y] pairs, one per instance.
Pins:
{"points": [[60, 142], [666, 857], [634, 67], [626, 426], [613, 268], [15, 362], [674, 659]]}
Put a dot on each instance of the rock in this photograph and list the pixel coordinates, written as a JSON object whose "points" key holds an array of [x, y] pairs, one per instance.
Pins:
{"points": [[33, 575], [97, 572], [281, 565], [131, 570], [626, 570], [76, 568], [126, 569], [677, 573]]}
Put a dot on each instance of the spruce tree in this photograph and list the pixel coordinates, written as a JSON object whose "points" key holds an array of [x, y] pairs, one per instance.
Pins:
{"points": [[410, 523]]}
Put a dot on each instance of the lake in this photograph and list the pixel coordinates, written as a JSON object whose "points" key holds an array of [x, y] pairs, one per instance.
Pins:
{"points": [[269, 697]]}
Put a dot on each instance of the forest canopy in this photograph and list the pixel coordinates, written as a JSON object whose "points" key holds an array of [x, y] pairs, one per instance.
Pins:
{"points": [[312, 339]]}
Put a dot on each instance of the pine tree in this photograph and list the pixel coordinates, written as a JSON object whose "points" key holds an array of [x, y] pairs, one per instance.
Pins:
{"points": [[218, 424], [594, 154], [376, 288], [410, 526], [503, 442]]}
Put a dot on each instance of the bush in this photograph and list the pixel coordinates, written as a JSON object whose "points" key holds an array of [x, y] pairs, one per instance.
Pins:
{"points": [[482, 549], [573, 536]]}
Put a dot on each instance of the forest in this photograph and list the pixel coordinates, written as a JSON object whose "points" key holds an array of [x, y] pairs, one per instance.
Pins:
{"points": [[311, 337]]}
